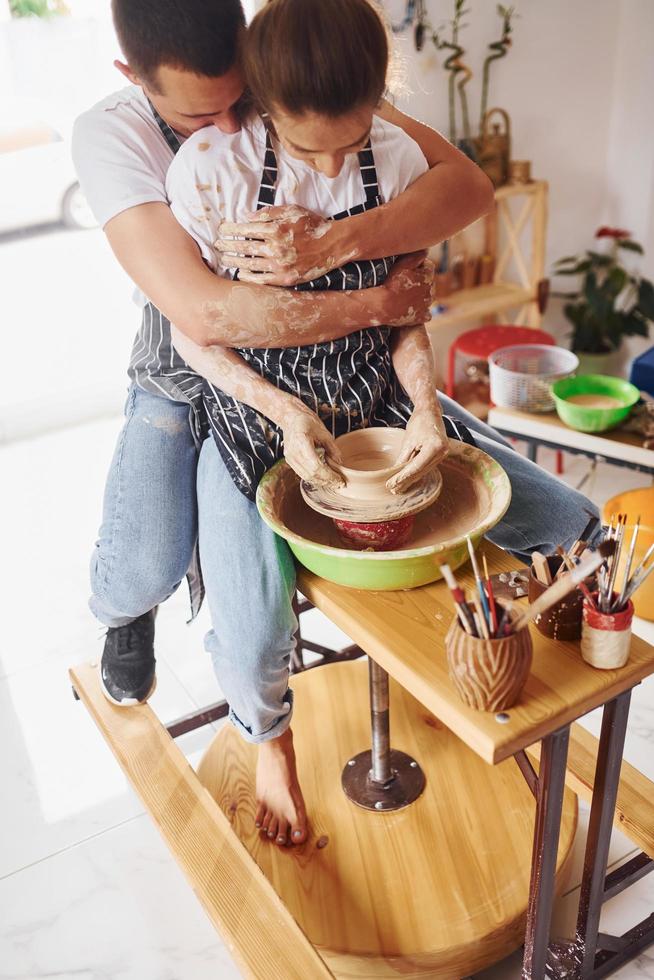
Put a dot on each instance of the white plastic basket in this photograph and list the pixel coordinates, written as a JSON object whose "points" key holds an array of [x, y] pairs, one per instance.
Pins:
{"points": [[521, 376]]}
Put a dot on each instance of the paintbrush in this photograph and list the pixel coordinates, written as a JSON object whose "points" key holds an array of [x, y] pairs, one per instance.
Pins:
{"points": [[627, 569], [482, 618], [637, 582], [613, 570], [641, 565], [480, 587], [491, 597], [458, 595], [562, 586], [570, 565]]}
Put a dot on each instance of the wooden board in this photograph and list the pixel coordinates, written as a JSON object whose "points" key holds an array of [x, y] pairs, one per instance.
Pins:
{"points": [[634, 809], [626, 446], [479, 302], [258, 930], [405, 632], [438, 889]]}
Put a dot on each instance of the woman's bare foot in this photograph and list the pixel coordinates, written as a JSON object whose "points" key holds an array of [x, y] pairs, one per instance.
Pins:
{"points": [[280, 805]]}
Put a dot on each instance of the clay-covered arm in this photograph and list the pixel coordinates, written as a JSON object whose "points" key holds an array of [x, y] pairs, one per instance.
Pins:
{"points": [[304, 433], [296, 245], [425, 441], [164, 261]]}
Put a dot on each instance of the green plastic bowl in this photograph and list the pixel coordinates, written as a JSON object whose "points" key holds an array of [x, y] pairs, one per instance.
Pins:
{"points": [[587, 419], [405, 568]]}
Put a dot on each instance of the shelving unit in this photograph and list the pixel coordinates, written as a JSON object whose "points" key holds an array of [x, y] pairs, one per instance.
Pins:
{"points": [[515, 236]]}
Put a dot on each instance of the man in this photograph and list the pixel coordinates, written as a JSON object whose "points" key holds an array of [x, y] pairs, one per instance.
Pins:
{"points": [[182, 61]]}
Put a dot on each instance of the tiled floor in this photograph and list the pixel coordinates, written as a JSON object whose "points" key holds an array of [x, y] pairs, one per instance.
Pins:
{"points": [[87, 889]]}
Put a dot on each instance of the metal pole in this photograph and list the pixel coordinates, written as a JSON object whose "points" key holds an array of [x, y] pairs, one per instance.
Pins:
{"points": [[380, 770], [605, 792], [549, 807]]}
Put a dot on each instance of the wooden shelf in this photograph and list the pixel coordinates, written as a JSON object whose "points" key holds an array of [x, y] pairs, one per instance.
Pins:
{"points": [[481, 301], [514, 237]]}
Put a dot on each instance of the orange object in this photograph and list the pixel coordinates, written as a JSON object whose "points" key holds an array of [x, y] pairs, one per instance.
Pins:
{"points": [[634, 503]]}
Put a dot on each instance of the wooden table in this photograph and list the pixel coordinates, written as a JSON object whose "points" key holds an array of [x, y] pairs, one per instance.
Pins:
{"points": [[403, 634], [546, 429]]}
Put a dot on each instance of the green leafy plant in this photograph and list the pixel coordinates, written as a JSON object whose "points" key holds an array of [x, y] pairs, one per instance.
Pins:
{"points": [[37, 8], [611, 302]]}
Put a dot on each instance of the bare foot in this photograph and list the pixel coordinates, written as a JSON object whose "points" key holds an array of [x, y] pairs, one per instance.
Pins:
{"points": [[281, 814]]}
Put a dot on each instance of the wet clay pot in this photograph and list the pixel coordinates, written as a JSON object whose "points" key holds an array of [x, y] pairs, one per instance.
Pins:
{"points": [[489, 675], [383, 536], [562, 621]]}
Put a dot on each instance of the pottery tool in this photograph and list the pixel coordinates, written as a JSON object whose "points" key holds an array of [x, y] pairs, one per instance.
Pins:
{"points": [[460, 604], [618, 604], [480, 586], [541, 568], [562, 586], [491, 598]]}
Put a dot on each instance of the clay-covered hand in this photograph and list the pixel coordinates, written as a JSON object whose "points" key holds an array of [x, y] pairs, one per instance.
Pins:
{"points": [[278, 246], [407, 291], [424, 446], [309, 449]]}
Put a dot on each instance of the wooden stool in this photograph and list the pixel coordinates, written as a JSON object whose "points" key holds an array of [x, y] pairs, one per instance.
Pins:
{"points": [[437, 888]]}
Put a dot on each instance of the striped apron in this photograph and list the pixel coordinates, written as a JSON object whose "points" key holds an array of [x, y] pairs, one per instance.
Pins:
{"points": [[349, 383]]}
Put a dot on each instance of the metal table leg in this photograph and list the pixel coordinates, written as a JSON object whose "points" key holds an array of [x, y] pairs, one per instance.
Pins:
{"points": [[381, 778], [549, 807]]}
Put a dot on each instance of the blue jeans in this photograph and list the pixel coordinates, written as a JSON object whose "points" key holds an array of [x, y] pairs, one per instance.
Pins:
{"points": [[151, 521], [149, 516]]}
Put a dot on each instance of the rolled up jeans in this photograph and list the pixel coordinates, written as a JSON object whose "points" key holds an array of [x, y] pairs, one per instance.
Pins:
{"points": [[250, 577]]}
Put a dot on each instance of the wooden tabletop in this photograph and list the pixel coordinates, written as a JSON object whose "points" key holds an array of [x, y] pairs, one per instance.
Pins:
{"points": [[617, 444], [405, 632]]}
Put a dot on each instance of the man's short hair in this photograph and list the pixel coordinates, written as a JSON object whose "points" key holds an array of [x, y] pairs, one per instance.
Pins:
{"points": [[200, 36]]}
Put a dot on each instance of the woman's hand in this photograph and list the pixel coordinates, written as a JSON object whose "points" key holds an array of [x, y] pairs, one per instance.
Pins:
{"points": [[279, 246], [424, 446], [310, 450]]}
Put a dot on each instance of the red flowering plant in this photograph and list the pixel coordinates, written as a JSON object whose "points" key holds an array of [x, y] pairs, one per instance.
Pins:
{"points": [[611, 302]]}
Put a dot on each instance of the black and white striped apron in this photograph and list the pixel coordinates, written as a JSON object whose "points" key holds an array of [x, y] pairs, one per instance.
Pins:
{"points": [[156, 367], [349, 383]]}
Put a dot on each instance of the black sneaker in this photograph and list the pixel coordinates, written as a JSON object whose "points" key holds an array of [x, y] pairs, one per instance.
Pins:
{"points": [[127, 666]]}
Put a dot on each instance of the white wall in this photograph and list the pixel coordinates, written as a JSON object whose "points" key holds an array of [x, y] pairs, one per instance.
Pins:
{"points": [[577, 83]]}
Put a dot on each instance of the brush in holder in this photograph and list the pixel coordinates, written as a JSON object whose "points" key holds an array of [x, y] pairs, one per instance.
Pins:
{"points": [[606, 637], [562, 621], [489, 675]]}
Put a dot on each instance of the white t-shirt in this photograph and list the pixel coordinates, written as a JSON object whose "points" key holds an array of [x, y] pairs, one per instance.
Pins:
{"points": [[120, 154], [216, 176]]}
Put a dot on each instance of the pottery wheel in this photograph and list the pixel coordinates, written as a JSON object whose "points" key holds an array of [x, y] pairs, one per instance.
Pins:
{"points": [[391, 507]]}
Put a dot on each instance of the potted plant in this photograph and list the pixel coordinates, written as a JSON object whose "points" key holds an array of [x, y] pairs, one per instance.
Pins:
{"points": [[612, 302]]}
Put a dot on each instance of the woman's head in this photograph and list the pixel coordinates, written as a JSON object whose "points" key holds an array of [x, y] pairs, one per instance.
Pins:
{"points": [[318, 68]]}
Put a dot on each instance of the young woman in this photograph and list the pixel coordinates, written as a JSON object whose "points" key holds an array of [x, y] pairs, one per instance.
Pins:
{"points": [[316, 69]]}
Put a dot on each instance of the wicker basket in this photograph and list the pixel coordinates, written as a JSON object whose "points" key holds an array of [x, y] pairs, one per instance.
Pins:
{"points": [[521, 375]]}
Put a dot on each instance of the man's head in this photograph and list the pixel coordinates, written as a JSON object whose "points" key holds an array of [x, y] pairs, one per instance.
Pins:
{"points": [[184, 54]]}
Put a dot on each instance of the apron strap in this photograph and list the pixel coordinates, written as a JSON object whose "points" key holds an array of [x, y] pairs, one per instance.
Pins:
{"points": [[169, 134], [268, 186], [369, 174]]}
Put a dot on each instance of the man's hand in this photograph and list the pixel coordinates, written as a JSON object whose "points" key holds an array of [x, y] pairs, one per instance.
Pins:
{"points": [[309, 448], [424, 446], [406, 294], [279, 246]]}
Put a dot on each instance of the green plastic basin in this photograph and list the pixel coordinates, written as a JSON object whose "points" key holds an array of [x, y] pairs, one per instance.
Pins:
{"points": [[405, 568], [586, 418]]}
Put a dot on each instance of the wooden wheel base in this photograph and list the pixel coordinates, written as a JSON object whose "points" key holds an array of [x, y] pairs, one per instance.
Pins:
{"points": [[437, 889]]}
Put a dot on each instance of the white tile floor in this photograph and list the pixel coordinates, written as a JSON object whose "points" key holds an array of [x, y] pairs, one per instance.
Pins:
{"points": [[87, 889]]}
